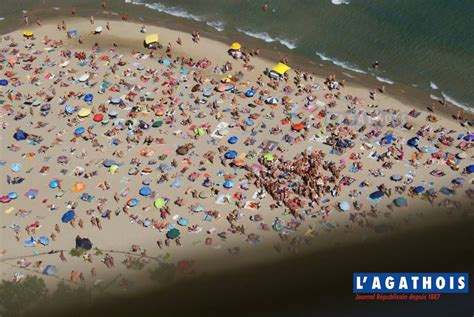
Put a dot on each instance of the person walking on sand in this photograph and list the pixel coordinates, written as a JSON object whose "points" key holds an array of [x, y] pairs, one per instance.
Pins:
{"points": [[73, 11], [26, 20], [62, 257], [92, 19], [107, 26]]}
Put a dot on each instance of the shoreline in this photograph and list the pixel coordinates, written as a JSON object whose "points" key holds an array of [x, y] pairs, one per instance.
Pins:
{"points": [[420, 98]]}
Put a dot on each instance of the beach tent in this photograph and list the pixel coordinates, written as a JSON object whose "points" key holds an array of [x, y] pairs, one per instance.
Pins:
{"points": [[279, 70], [83, 243], [68, 216], [151, 40], [235, 46], [27, 34]]}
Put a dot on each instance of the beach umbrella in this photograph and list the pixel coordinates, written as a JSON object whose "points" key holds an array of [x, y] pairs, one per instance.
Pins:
{"points": [[62, 159], [277, 226], [388, 139], [27, 34], [230, 155], [235, 46], [344, 206], [20, 135], [458, 181], [173, 233], [204, 194], [16, 167], [79, 131], [78, 187], [250, 93], [249, 122], [83, 77], [113, 168], [12, 195], [54, 184], [298, 126], [146, 181], [132, 202], [199, 131], [272, 100], [145, 191], [68, 216], [396, 177], [98, 29], [418, 189], [69, 109], [113, 114], [45, 107], [228, 184], [232, 140], [400, 202], [159, 203], [5, 199], [157, 124], [30, 242], [269, 157], [469, 137], [470, 169], [196, 88], [98, 117], [84, 112], [115, 101], [221, 88], [413, 142], [183, 221], [108, 163], [3, 82], [376, 195], [447, 191], [461, 155], [43, 240], [50, 270]]}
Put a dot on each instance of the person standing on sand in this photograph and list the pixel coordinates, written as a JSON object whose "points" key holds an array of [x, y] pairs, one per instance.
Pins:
{"points": [[38, 22], [107, 26], [25, 19], [92, 19], [62, 257], [73, 11]]}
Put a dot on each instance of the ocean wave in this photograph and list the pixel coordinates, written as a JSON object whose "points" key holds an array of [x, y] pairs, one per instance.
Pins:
{"points": [[433, 86], [291, 44], [384, 80], [2, 18], [339, 63], [218, 25], [457, 103], [174, 11], [338, 2]]}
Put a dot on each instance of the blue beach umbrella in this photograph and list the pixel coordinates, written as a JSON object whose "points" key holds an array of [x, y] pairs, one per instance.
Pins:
{"points": [[228, 184], [183, 221], [79, 131], [400, 202], [413, 141], [132, 202], [233, 140], [88, 98], [69, 109], [418, 189], [145, 191], [54, 184], [20, 135], [230, 155], [250, 93], [376, 195], [3, 82], [50, 270], [12, 195], [344, 206], [16, 167], [470, 169], [43, 240], [68, 216]]}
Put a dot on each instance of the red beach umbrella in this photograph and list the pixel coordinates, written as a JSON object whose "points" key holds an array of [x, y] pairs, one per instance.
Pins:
{"points": [[98, 117]]}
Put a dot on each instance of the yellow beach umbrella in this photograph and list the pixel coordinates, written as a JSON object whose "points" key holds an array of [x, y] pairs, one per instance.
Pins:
{"points": [[27, 34], [113, 168], [84, 112], [235, 46], [159, 203]]}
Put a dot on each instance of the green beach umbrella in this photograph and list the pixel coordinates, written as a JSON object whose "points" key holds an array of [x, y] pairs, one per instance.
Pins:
{"points": [[157, 124], [199, 131], [159, 203], [173, 233], [269, 157]]}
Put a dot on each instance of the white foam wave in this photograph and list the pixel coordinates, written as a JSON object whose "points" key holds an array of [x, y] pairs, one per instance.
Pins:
{"points": [[291, 44], [340, 63], [338, 2], [433, 86], [457, 103], [218, 25], [174, 11], [434, 97], [385, 80], [2, 18]]}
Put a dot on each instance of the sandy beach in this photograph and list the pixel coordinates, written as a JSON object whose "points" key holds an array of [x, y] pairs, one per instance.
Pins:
{"points": [[184, 155]]}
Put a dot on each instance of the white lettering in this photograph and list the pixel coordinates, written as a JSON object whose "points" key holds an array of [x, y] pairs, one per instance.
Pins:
{"points": [[403, 283], [389, 284], [415, 281], [461, 283], [426, 280], [440, 282], [376, 283]]}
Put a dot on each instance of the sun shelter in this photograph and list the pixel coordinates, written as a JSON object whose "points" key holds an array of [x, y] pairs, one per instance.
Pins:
{"points": [[28, 34], [279, 70], [151, 40], [68, 216]]}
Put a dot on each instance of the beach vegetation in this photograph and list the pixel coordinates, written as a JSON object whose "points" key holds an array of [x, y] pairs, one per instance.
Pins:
{"points": [[135, 264], [77, 251], [164, 274], [17, 298]]}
